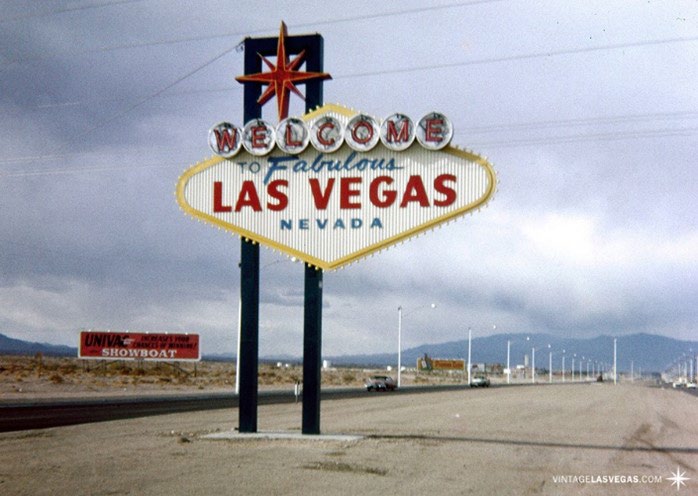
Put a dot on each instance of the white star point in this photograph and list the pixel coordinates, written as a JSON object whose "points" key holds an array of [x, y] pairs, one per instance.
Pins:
{"points": [[678, 478]]}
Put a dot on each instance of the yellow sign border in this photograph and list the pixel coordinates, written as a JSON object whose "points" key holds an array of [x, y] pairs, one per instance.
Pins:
{"points": [[321, 264]]}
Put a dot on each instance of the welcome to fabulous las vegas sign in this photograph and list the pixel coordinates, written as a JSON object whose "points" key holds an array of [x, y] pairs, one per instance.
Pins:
{"points": [[334, 185]]}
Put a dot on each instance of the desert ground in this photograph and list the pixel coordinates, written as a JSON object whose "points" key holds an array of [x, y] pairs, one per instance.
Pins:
{"points": [[583, 439], [31, 377]]}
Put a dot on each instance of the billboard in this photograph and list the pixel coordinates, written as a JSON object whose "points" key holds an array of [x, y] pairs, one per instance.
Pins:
{"points": [[335, 185], [427, 363], [139, 346]]}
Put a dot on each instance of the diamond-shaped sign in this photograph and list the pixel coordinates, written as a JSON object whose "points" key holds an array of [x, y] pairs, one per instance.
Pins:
{"points": [[331, 207]]}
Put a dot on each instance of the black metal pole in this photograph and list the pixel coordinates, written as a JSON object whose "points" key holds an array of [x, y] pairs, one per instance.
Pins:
{"points": [[312, 350], [312, 315], [249, 261], [249, 335], [249, 279]]}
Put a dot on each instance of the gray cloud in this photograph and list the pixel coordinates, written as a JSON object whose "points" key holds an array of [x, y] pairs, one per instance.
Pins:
{"points": [[592, 230]]}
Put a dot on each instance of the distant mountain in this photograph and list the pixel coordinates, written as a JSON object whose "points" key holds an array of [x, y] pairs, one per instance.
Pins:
{"points": [[646, 352], [10, 346]]}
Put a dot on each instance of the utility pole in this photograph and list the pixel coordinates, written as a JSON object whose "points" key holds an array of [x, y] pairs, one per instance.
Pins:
{"points": [[615, 361], [470, 367]]}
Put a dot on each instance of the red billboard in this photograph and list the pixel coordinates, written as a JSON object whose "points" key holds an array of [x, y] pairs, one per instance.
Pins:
{"points": [[139, 346]]}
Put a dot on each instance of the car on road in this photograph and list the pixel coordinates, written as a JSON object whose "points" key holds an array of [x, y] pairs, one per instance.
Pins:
{"points": [[691, 385], [380, 383], [480, 381]]}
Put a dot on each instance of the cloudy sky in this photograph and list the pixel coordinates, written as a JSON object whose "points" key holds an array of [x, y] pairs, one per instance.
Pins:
{"points": [[588, 111]]}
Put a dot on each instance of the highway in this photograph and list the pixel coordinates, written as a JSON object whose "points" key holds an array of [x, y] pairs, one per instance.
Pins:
{"points": [[41, 414], [577, 438]]}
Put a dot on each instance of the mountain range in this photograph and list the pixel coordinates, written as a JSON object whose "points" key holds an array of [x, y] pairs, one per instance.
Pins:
{"points": [[641, 352], [11, 346]]}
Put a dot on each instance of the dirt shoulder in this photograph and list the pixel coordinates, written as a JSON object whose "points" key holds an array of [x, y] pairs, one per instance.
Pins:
{"points": [[489, 441]]}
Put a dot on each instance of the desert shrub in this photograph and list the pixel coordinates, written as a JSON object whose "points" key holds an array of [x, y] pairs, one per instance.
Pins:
{"points": [[68, 368], [268, 376], [56, 378]]}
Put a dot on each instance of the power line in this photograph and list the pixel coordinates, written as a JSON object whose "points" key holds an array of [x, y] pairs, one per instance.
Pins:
{"points": [[81, 170], [415, 68], [314, 24], [152, 96], [451, 65], [582, 121], [494, 128], [525, 56], [162, 90], [66, 10], [502, 143], [576, 138], [93, 101], [53, 156]]}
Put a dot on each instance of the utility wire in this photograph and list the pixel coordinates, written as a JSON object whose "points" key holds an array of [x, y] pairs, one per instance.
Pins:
{"points": [[315, 24], [490, 129], [468, 132], [162, 90], [488, 145], [450, 65], [66, 10], [511, 58], [576, 138], [150, 97], [583, 121], [82, 170]]}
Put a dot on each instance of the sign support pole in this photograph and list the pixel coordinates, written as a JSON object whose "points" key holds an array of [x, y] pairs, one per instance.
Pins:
{"points": [[312, 314], [249, 277], [249, 262], [249, 335], [200, 191], [312, 350]]}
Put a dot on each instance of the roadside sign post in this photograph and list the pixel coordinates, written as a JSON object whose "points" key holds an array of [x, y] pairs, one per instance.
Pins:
{"points": [[363, 185], [312, 348], [256, 48]]}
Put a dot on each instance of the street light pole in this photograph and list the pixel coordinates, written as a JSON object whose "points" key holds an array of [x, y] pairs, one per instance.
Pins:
{"points": [[533, 365], [237, 358], [563, 365], [508, 361], [470, 367], [399, 346], [615, 361], [399, 343]]}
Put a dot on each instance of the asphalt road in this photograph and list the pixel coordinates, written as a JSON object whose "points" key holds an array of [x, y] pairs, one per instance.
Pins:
{"points": [[585, 439], [24, 415]]}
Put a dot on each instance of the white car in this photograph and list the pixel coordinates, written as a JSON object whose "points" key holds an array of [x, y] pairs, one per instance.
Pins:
{"points": [[480, 381]]}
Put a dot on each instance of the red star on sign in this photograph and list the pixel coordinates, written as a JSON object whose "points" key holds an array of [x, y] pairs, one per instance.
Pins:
{"points": [[282, 76]]}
